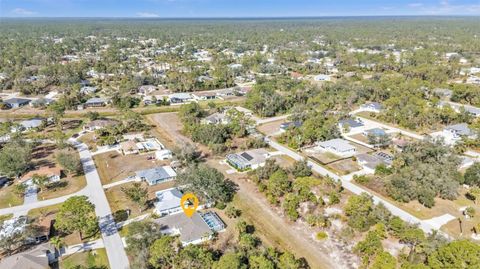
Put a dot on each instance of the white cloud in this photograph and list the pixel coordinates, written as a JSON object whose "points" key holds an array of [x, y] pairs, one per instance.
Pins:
{"points": [[23, 12], [147, 15]]}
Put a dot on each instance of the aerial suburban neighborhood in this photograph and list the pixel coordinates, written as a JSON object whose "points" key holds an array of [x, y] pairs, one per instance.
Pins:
{"points": [[287, 143]]}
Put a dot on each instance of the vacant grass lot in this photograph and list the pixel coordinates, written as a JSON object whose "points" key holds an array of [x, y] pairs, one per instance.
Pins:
{"points": [[68, 185], [90, 259], [8, 197]]}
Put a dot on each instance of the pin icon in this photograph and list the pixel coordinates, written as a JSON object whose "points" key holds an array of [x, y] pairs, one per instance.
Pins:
{"points": [[189, 208]]}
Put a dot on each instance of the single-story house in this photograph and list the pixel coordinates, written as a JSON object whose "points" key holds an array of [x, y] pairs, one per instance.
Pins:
{"points": [[86, 90], [31, 124], [385, 157], [157, 175], [99, 124], [457, 131], [201, 96], [372, 107], [40, 257], [52, 173], [291, 124], [216, 118], [443, 93], [322, 77], [474, 111], [337, 146], [163, 154], [350, 124], [370, 162], [146, 89], [176, 98], [250, 159], [96, 102], [193, 230], [129, 147], [168, 201], [17, 102]]}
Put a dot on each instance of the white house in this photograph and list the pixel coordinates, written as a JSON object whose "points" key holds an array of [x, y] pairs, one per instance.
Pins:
{"points": [[168, 201], [454, 133], [338, 147], [322, 77], [350, 125], [163, 154], [372, 107]]}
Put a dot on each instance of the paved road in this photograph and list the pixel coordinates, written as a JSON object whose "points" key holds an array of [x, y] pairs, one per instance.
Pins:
{"points": [[117, 256], [426, 225], [22, 210]]}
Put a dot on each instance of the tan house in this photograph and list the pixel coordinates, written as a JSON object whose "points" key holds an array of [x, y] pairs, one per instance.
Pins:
{"points": [[52, 173]]}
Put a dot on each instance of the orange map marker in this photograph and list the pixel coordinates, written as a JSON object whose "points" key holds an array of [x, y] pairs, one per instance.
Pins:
{"points": [[189, 209]]}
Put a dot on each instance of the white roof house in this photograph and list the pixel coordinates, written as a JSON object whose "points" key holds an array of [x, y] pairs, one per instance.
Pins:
{"points": [[322, 77], [372, 107], [454, 133], [163, 154], [157, 175], [168, 201], [337, 146]]}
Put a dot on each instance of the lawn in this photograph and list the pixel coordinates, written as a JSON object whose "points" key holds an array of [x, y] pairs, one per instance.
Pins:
{"points": [[89, 140], [67, 185], [90, 259], [114, 166], [344, 167], [5, 217], [8, 198]]}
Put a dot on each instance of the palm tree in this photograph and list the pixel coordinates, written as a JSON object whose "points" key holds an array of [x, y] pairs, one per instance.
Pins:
{"points": [[57, 242]]}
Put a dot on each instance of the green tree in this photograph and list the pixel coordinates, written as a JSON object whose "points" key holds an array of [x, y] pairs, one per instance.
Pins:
{"points": [[278, 183], [15, 158], [358, 209], [457, 254], [260, 262], [163, 252], [70, 161], [40, 180], [301, 169], [77, 214], [384, 260], [137, 194], [207, 183], [472, 175], [230, 260]]}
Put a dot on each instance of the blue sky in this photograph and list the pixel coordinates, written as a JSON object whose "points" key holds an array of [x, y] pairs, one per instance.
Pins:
{"points": [[233, 8]]}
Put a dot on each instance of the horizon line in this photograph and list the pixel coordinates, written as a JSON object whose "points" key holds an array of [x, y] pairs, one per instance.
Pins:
{"points": [[238, 17]]}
